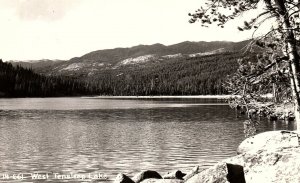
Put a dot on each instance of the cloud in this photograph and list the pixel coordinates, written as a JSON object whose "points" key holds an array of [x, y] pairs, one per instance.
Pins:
{"points": [[44, 10]]}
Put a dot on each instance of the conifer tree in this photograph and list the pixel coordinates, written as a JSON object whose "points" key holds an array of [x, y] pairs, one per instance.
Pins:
{"points": [[279, 60]]}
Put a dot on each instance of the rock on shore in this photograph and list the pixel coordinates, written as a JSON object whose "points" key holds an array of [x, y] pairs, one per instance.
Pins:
{"points": [[269, 157], [269, 140], [146, 175]]}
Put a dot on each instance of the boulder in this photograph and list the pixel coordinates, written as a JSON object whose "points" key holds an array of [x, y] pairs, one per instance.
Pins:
{"points": [[216, 173], [269, 140], [193, 172], [220, 173], [270, 165], [146, 175], [268, 157], [121, 178], [174, 175]]}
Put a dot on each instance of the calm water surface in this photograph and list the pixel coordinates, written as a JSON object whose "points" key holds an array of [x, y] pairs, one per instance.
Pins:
{"points": [[111, 136]]}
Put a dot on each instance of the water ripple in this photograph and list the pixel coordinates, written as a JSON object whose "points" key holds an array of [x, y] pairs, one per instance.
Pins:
{"points": [[71, 135]]}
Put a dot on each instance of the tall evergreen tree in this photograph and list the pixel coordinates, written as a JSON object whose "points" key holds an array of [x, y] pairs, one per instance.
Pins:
{"points": [[280, 43]]}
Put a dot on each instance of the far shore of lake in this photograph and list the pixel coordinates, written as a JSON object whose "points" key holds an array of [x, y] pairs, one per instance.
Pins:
{"points": [[166, 96]]}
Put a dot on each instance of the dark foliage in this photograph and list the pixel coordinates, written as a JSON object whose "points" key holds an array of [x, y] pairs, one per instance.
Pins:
{"points": [[185, 76], [204, 75], [21, 82]]}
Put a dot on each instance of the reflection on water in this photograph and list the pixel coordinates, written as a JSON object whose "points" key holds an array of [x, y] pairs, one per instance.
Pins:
{"points": [[75, 135]]}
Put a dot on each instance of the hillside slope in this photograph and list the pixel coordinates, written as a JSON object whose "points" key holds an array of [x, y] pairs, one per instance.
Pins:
{"points": [[182, 76], [122, 57], [21, 82], [187, 68]]}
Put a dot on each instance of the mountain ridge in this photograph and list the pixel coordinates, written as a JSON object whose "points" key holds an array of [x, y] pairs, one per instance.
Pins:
{"points": [[141, 46], [186, 68], [99, 61]]}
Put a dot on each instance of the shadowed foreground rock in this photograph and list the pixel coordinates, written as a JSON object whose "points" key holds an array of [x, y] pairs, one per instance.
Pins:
{"points": [[121, 178], [235, 173], [174, 175], [220, 173], [146, 175], [216, 173]]}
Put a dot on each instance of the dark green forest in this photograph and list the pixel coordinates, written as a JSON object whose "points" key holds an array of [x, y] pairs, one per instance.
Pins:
{"points": [[20, 82], [185, 76], [203, 75]]}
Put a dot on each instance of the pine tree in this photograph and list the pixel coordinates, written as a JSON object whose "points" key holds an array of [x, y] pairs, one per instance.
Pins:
{"points": [[279, 45]]}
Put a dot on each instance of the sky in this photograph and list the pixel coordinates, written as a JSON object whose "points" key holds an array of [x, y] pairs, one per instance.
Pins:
{"points": [[62, 29]]}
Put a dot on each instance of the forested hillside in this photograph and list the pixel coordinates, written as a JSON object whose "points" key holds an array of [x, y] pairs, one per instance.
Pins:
{"points": [[188, 68], [186, 76], [19, 82], [202, 75], [118, 58]]}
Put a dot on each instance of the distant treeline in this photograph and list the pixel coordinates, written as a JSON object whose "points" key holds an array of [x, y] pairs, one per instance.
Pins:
{"points": [[182, 76], [21, 82]]}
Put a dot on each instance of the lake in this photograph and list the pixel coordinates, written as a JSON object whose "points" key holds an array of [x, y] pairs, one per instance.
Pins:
{"points": [[92, 136]]}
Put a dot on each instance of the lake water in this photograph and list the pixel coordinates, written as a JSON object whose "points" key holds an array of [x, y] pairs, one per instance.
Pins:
{"points": [[89, 136]]}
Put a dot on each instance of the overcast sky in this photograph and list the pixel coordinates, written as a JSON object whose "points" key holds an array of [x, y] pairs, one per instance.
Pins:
{"points": [[62, 29]]}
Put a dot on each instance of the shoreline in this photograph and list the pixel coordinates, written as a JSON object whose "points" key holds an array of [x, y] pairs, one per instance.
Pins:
{"points": [[136, 97], [165, 96]]}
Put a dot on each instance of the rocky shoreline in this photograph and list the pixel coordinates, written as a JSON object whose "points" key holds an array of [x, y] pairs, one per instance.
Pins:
{"points": [[274, 112], [267, 157]]}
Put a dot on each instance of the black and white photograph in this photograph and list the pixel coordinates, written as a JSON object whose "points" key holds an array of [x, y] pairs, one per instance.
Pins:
{"points": [[150, 91]]}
